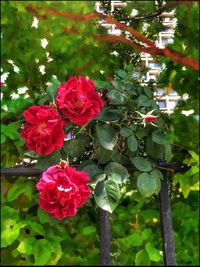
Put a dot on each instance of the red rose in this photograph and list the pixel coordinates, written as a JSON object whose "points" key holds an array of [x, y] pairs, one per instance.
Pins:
{"points": [[62, 190], [78, 101], [43, 130]]}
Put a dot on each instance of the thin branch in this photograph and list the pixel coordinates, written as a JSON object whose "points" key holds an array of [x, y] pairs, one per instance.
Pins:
{"points": [[152, 49]]}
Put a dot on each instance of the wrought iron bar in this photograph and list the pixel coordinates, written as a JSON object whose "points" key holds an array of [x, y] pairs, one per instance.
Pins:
{"points": [[104, 227], [169, 256], [20, 171]]}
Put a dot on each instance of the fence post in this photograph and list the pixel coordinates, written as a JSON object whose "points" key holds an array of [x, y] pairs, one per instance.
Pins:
{"points": [[166, 224], [104, 229]]}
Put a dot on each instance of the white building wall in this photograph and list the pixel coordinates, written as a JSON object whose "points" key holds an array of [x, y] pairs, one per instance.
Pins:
{"points": [[168, 101]]}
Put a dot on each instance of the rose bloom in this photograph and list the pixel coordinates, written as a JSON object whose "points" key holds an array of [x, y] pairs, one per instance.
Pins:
{"points": [[62, 190], [43, 130], [78, 100]]}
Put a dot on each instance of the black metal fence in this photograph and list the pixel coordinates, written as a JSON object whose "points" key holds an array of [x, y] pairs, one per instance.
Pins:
{"points": [[169, 256]]}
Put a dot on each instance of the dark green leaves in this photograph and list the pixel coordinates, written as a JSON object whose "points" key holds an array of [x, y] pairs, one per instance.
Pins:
{"points": [[143, 100], [132, 143], [142, 164], [106, 136], [116, 172], [74, 148], [107, 195], [108, 114], [160, 138], [149, 184], [116, 97], [46, 161], [146, 184], [126, 132], [91, 170]]}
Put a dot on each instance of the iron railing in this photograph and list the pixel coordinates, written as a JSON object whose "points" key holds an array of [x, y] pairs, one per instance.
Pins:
{"points": [[169, 255]]}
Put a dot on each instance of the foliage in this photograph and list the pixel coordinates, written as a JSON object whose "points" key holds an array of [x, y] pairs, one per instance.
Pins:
{"points": [[135, 231]]}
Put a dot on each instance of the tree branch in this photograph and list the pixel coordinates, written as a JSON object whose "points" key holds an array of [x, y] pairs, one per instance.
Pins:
{"points": [[152, 49]]}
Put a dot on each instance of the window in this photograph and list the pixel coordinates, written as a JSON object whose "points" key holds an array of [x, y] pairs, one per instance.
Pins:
{"points": [[160, 91], [162, 104], [172, 104], [154, 65], [152, 77]]}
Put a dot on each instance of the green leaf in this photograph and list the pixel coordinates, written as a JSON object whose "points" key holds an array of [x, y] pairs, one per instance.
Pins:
{"points": [[126, 132], [88, 230], [10, 131], [134, 239], [144, 101], [152, 149], [153, 253], [36, 227], [117, 85], [116, 97], [168, 155], [102, 155], [142, 164], [26, 246], [20, 186], [106, 195], [74, 148], [49, 160], [146, 184], [3, 139], [108, 114], [42, 251], [91, 170], [106, 135], [43, 216], [122, 74], [116, 172], [157, 173], [160, 138], [10, 227], [132, 143], [147, 234], [101, 84], [158, 176], [97, 178], [142, 258], [148, 91]]}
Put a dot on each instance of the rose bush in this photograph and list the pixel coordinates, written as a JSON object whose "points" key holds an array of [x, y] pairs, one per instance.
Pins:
{"points": [[43, 130], [78, 100], [62, 190]]}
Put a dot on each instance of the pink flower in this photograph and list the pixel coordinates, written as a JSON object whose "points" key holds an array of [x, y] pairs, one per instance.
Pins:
{"points": [[62, 190], [43, 130], [2, 84], [78, 100]]}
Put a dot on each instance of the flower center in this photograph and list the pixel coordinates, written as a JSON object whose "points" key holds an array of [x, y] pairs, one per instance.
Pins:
{"points": [[61, 188], [41, 127]]}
